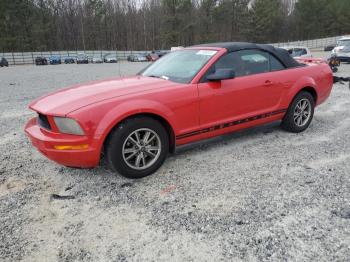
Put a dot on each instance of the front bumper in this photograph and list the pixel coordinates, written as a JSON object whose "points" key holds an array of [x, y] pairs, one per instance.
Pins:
{"points": [[45, 141]]}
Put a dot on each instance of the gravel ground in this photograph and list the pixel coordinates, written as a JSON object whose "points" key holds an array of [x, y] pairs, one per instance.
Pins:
{"points": [[257, 195]]}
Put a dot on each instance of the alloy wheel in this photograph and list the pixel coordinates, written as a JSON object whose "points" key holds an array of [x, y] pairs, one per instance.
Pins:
{"points": [[302, 112], [141, 148]]}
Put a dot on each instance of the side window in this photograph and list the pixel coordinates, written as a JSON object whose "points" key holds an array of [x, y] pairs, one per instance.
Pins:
{"points": [[255, 61], [231, 61], [247, 62], [275, 65]]}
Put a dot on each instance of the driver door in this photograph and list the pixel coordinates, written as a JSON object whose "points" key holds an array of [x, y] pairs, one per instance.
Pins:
{"points": [[254, 91]]}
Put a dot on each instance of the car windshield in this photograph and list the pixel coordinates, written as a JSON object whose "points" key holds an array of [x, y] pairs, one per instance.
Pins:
{"points": [[179, 66], [344, 42], [298, 52]]}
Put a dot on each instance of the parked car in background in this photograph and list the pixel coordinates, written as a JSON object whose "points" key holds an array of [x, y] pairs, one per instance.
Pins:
{"points": [[342, 50], [40, 60], [3, 62], [131, 58], [69, 60], [298, 51], [82, 59], [110, 58], [97, 59], [329, 48], [152, 57], [138, 58], [176, 48], [343, 41], [142, 58], [55, 60], [161, 53], [189, 95]]}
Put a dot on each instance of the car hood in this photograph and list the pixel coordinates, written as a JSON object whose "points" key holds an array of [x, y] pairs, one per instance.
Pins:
{"points": [[338, 49], [64, 101]]}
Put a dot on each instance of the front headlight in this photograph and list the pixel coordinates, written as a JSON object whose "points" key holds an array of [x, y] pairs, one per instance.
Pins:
{"points": [[68, 126]]}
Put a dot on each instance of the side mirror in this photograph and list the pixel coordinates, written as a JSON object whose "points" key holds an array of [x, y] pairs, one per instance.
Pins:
{"points": [[221, 74]]}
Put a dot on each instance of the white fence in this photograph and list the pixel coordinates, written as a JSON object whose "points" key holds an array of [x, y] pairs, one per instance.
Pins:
{"points": [[312, 44], [21, 58]]}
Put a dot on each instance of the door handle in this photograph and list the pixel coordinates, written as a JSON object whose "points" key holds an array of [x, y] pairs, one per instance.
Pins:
{"points": [[268, 83]]}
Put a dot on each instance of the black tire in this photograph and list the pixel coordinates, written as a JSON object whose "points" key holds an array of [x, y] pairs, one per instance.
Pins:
{"points": [[117, 139], [288, 122]]}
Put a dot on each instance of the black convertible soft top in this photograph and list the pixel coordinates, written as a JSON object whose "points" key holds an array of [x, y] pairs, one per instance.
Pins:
{"points": [[279, 53]]}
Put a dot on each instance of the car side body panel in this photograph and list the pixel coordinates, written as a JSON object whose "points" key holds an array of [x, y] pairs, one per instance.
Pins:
{"points": [[194, 111]]}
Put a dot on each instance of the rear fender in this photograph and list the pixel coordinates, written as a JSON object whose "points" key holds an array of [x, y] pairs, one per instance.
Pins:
{"points": [[300, 84]]}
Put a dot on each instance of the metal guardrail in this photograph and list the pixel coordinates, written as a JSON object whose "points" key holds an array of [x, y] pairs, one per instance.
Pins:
{"points": [[22, 58], [312, 44]]}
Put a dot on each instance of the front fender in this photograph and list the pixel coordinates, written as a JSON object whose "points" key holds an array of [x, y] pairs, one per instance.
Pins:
{"points": [[126, 109], [99, 119]]}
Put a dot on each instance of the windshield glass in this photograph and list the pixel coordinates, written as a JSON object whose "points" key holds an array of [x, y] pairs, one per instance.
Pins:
{"points": [[179, 66], [344, 42]]}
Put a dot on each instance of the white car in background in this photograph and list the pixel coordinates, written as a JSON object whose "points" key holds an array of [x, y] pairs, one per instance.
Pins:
{"points": [[298, 51], [97, 59], [342, 50], [176, 48]]}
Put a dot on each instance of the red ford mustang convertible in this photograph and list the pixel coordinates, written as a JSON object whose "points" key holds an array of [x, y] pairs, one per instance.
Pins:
{"points": [[188, 95]]}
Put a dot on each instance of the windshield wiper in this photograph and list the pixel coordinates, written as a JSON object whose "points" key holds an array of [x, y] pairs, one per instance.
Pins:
{"points": [[154, 76], [162, 77]]}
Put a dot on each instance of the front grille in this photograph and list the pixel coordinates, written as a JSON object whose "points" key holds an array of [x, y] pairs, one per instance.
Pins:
{"points": [[43, 121]]}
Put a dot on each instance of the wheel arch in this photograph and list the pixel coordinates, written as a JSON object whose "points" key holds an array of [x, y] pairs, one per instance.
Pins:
{"points": [[311, 90], [304, 88], [306, 84], [165, 123]]}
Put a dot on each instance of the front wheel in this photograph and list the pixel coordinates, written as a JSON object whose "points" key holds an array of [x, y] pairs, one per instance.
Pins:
{"points": [[137, 147], [300, 113]]}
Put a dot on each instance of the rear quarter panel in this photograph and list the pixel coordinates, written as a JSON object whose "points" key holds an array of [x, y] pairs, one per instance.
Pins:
{"points": [[317, 76]]}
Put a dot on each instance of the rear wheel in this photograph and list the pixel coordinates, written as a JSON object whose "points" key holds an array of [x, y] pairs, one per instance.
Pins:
{"points": [[137, 147], [300, 113]]}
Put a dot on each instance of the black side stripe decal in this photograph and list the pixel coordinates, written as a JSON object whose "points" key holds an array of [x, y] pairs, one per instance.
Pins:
{"points": [[229, 124]]}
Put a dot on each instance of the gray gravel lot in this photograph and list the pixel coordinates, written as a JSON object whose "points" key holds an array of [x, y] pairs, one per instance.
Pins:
{"points": [[258, 195]]}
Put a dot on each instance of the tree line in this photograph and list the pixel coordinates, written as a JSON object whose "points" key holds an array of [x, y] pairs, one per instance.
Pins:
{"points": [[42, 25]]}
